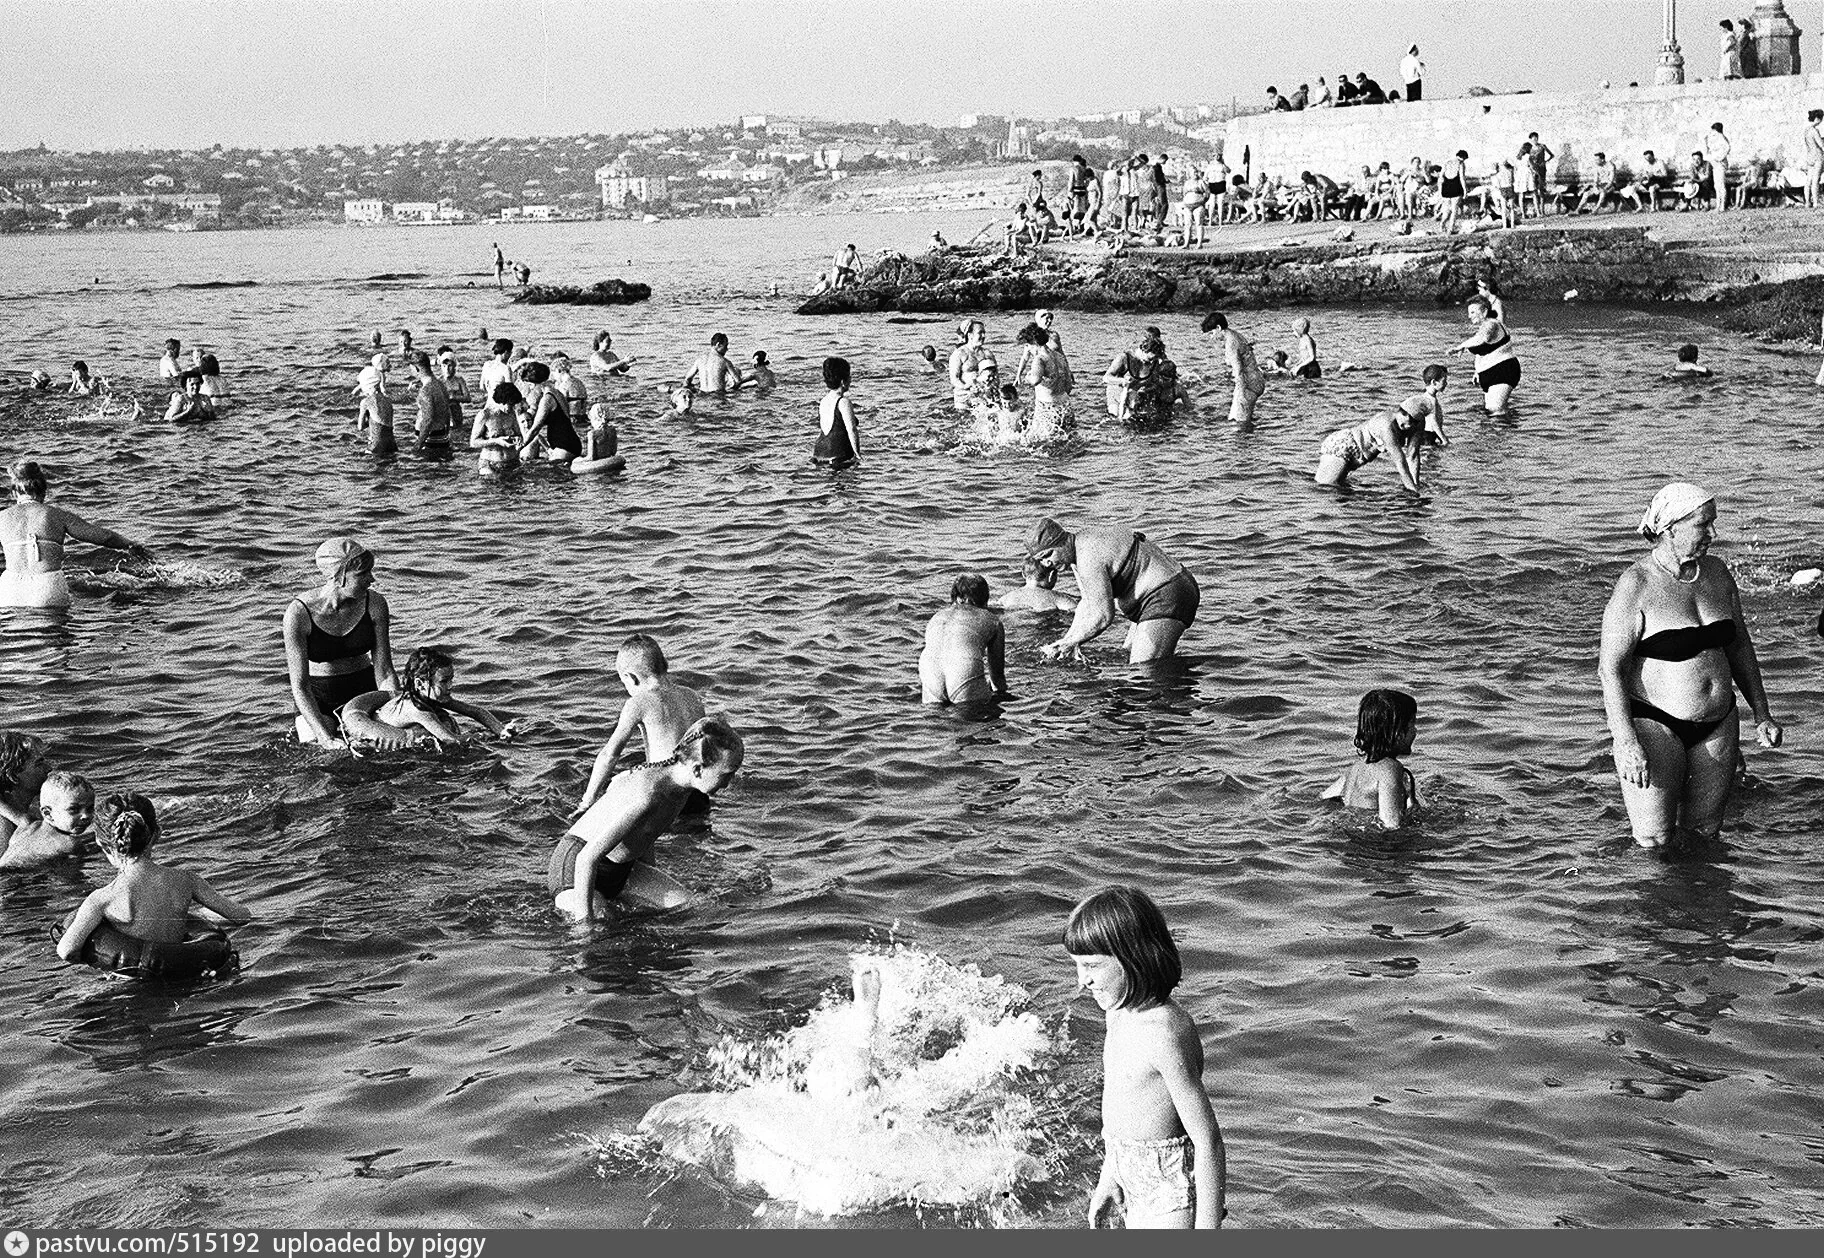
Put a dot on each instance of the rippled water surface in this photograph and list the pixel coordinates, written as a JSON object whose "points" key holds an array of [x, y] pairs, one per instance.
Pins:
{"points": [[1503, 1015]]}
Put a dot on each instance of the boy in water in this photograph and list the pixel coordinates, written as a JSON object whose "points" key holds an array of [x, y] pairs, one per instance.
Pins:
{"points": [[1687, 365], [66, 807], [604, 854], [1308, 367], [1037, 595], [964, 660], [658, 707]]}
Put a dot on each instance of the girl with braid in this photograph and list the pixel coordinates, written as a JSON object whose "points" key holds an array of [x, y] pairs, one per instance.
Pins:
{"points": [[146, 900], [604, 855]]}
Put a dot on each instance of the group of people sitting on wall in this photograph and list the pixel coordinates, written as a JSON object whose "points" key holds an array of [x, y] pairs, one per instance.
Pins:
{"points": [[1362, 90]]}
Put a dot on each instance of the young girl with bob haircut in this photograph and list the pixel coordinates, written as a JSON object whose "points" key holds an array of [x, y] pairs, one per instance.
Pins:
{"points": [[1164, 1163], [1385, 726]]}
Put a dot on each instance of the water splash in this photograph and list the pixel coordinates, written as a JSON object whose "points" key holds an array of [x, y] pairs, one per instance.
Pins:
{"points": [[140, 577], [911, 1093]]}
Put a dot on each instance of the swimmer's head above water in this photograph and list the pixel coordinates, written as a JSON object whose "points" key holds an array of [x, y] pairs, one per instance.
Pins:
{"points": [[1051, 544], [342, 560], [125, 826], [1039, 574]]}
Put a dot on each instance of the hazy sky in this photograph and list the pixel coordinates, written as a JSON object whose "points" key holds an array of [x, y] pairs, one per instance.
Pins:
{"points": [[90, 74]]}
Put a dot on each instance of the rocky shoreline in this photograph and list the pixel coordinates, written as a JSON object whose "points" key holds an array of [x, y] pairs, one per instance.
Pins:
{"points": [[603, 293], [1609, 263]]}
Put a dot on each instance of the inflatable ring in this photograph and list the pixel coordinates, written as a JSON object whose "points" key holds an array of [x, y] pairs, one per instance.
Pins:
{"points": [[205, 952]]}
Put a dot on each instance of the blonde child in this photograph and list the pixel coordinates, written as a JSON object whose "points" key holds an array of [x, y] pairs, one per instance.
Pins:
{"points": [[66, 807], [599, 445], [147, 901], [422, 711], [1308, 367], [603, 855], [657, 708], [1164, 1165], [1385, 726], [1037, 594]]}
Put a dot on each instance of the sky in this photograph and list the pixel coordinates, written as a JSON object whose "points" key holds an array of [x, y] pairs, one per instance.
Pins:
{"points": [[107, 74]]}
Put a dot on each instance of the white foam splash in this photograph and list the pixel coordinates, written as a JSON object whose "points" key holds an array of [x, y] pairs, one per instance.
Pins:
{"points": [[922, 1107], [179, 575]]}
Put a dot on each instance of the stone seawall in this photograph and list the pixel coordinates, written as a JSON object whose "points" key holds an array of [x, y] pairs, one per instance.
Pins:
{"points": [[1764, 119]]}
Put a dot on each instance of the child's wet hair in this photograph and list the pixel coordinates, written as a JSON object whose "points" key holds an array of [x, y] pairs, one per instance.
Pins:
{"points": [[712, 743], [646, 652], [66, 785], [418, 677], [1434, 373], [1384, 714], [836, 373], [1124, 923], [125, 825], [971, 588], [1047, 575], [1687, 353]]}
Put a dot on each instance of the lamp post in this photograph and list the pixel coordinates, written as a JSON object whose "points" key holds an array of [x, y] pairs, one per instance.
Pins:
{"points": [[1671, 68]]}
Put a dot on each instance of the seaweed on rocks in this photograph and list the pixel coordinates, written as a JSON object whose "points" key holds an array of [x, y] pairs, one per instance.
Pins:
{"points": [[603, 293]]}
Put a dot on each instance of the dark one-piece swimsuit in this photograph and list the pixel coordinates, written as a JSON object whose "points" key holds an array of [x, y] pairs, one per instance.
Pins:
{"points": [[1682, 644], [322, 647]]}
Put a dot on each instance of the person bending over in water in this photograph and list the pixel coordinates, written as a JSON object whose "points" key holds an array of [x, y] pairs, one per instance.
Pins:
{"points": [[146, 900], [1164, 1164], [964, 660], [1118, 568], [1308, 367], [604, 854], [1687, 365], [66, 808], [838, 440], [713, 373], [422, 712], [1037, 594], [1395, 433], [657, 708], [188, 405], [1385, 726]]}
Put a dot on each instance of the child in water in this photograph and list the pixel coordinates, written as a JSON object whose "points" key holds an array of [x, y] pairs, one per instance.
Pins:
{"points": [[66, 808], [604, 853], [838, 440], [423, 709], [599, 445], [82, 384], [1687, 366], [146, 900], [657, 708], [1278, 365], [1037, 594], [1164, 1165], [1385, 726], [927, 360], [761, 377], [1308, 367]]}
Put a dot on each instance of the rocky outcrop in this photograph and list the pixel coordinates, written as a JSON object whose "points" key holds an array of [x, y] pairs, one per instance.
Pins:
{"points": [[604, 293]]}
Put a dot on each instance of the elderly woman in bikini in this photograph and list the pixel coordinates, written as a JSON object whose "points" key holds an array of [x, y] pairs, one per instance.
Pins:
{"points": [[1118, 569], [1675, 647]]}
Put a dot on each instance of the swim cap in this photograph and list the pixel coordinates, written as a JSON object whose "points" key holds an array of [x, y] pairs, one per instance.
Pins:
{"points": [[1046, 534], [336, 556], [1672, 504]]}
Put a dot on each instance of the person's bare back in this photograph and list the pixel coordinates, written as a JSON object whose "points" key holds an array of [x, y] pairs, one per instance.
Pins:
{"points": [[964, 655], [664, 710]]}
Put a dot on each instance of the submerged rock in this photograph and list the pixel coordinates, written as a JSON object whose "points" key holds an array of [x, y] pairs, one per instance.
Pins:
{"points": [[605, 293]]}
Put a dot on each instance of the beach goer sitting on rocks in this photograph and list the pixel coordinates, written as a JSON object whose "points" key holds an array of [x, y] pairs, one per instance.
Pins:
{"points": [[713, 373], [1675, 647], [964, 660], [33, 535], [848, 266], [1118, 569], [338, 640], [1037, 595], [1395, 434]]}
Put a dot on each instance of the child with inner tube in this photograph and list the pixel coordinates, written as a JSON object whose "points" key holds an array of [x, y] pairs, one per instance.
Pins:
{"points": [[66, 809], [599, 445], [422, 712], [603, 856], [147, 902]]}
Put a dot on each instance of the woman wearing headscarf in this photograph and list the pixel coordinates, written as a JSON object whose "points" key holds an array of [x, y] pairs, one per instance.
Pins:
{"points": [[33, 535], [338, 640], [1118, 570], [1675, 647]]}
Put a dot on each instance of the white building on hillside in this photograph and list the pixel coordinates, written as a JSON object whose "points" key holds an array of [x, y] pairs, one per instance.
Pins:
{"points": [[364, 211], [415, 212], [619, 188]]}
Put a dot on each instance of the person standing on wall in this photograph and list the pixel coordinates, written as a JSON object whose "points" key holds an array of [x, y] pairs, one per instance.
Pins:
{"points": [[1536, 155], [1716, 152], [1814, 155], [1412, 72]]}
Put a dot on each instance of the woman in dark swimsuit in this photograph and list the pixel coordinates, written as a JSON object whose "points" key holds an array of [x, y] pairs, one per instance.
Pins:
{"points": [[550, 415], [838, 440], [1118, 570], [1675, 646], [338, 641]]}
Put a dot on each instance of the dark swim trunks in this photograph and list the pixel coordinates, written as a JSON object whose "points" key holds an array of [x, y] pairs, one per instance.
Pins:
{"points": [[1177, 599], [610, 876]]}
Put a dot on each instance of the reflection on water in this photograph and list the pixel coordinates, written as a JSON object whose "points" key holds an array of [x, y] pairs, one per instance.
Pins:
{"points": [[1502, 1014]]}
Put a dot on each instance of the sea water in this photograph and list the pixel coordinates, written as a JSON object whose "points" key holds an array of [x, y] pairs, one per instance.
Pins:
{"points": [[1501, 1015]]}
